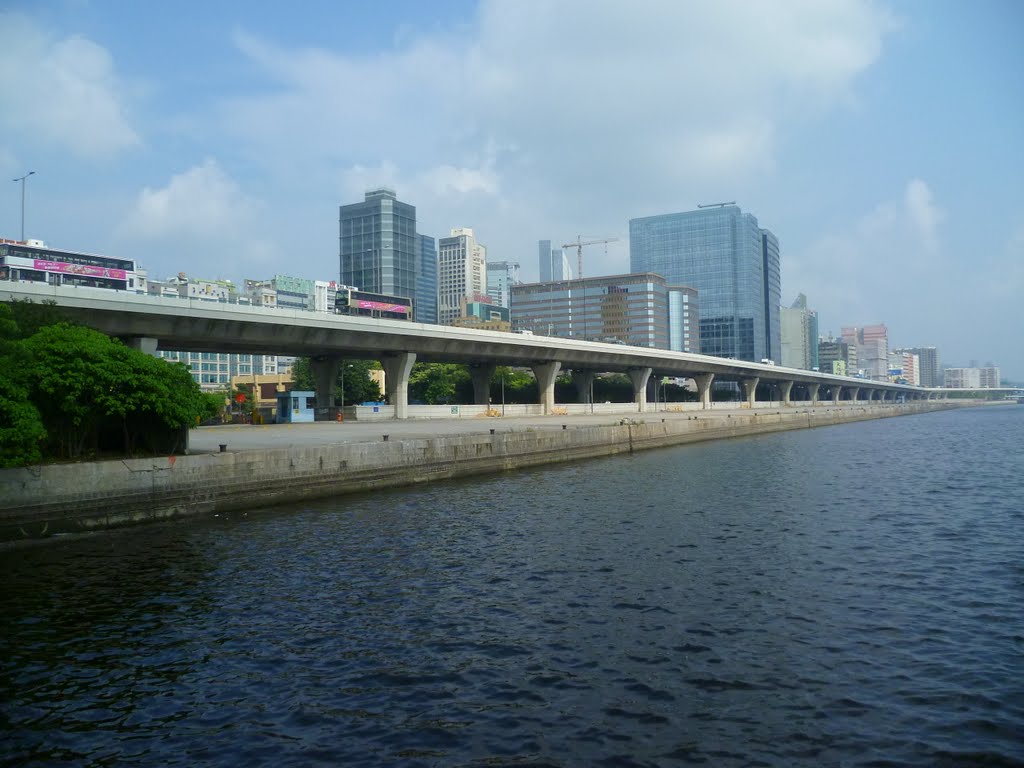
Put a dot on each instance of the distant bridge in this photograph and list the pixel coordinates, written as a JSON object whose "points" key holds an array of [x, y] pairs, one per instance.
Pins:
{"points": [[154, 323]]}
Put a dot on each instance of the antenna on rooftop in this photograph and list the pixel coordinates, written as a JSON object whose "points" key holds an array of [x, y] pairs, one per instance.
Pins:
{"points": [[716, 205]]}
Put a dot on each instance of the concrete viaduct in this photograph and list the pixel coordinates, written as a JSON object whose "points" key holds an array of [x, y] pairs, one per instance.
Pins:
{"points": [[152, 323]]}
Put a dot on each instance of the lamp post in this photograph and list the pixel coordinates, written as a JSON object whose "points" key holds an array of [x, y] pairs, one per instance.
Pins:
{"points": [[22, 180]]}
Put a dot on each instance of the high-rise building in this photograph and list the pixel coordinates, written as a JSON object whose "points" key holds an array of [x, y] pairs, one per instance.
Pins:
{"points": [[552, 262], [637, 309], [837, 357], [988, 377], [378, 244], [683, 319], [461, 273], [872, 343], [501, 276], [799, 335], [772, 290], [731, 262], [213, 371], [929, 369], [904, 368], [425, 305], [971, 378]]}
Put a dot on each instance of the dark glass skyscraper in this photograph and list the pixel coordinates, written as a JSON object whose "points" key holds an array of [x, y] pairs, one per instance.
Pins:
{"points": [[379, 248], [425, 305], [733, 264]]}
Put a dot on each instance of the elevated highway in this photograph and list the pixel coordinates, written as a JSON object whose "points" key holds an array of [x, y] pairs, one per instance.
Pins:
{"points": [[154, 323]]}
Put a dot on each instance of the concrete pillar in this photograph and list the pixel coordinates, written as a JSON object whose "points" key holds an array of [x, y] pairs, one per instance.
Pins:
{"points": [[325, 373], [837, 392], [584, 381], [482, 373], [853, 392], [750, 386], [813, 389], [639, 377], [143, 344], [546, 373], [703, 382], [786, 387], [396, 379]]}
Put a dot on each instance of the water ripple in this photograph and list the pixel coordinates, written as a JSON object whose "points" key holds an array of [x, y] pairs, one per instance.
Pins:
{"points": [[842, 596]]}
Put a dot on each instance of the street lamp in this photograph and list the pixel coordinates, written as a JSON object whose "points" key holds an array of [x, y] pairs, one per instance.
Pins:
{"points": [[22, 180]]}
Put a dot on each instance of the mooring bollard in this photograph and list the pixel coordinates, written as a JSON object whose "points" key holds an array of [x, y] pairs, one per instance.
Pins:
{"points": [[564, 426], [492, 431], [386, 438], [223, 447]]}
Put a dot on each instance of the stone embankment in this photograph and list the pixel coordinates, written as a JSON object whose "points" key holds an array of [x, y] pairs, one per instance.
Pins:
{"points": [[46, 500]]}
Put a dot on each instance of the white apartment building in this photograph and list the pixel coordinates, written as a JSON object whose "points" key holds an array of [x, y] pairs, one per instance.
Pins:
{"points": [[972, 378], [461, 273]]}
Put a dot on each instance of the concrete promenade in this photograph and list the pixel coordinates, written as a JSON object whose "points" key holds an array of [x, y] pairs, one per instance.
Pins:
{"points": [[248, 437], [284, 464]]}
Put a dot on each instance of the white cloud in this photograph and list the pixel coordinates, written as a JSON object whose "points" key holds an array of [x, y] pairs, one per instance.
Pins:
{"points": [[887, 266], [923, 213], [600, 110], [64, 92], [200, 212]]}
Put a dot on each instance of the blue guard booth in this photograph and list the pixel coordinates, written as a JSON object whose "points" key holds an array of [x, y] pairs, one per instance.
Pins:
{"points": [[296, 406]]}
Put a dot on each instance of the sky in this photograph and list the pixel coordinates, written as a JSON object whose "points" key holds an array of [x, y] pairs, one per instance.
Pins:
{"points": [[882, 142]]}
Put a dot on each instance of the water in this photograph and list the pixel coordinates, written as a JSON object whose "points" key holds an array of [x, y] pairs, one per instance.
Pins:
{"points": [[845, 596]]}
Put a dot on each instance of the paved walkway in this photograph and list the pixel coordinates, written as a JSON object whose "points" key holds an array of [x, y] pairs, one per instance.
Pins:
{"points": [[248, 437]]}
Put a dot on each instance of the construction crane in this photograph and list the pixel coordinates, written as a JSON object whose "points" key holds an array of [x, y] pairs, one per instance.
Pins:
{"points": [[578, 245]]}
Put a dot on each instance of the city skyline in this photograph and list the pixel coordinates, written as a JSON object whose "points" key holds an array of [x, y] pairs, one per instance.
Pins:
{"points": [[876, 140]]}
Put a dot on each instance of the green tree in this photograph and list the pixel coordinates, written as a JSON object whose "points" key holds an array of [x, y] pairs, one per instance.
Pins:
{"points": [[29, 317], [213, 406], [353, 384], [92, 390], [21, 428], [435, 383]]}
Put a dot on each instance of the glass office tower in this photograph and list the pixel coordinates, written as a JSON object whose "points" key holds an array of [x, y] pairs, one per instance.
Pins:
{"points": [[425, 305], [378, 244], [552, 263], [733, 264]]}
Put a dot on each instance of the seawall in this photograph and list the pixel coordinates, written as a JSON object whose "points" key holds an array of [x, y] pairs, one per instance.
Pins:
{"points": [[45, 500]]}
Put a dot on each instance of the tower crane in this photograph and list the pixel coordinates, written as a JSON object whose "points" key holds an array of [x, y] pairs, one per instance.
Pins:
{"points": [[578, 245]]}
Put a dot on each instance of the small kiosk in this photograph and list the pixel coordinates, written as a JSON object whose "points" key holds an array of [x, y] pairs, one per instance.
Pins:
{"points": [[295, 406]]}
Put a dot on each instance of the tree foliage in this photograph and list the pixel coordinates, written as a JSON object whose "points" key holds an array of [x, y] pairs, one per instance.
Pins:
{"points": [[353, 384], [21, 428], [94, 392], [434, 383], [68, 392]]}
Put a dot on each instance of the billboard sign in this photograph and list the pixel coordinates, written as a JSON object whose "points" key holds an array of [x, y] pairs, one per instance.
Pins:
{"points": [[78, 269], [381, 306]]}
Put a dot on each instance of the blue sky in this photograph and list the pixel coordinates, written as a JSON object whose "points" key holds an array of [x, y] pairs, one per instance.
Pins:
{"points": [[881, 141]]}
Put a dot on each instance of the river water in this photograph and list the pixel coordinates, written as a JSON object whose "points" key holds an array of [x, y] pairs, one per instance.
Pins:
{"points": [[848, 596]]}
